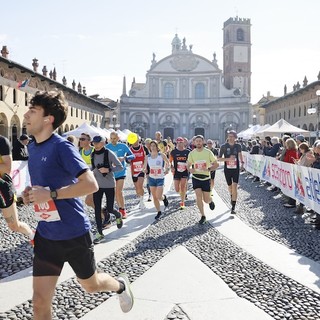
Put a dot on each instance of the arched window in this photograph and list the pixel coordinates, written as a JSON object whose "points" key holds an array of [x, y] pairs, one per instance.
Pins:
{"points": [[299, 111], [284, 115], [26, 99], [14, 96], [71, 111], [199, 91], [240, 35], [1, 93], [289, 114], [294, 112], [168, 91], [305, 111]]}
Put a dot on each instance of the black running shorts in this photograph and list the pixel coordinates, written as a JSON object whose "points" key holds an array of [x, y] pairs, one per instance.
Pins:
{"points": [[204, 185], [232, 176], [6, 191], [50, 256]]}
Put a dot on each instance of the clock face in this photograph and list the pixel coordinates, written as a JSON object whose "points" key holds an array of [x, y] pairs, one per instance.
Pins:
{"points": [[240, 54]]}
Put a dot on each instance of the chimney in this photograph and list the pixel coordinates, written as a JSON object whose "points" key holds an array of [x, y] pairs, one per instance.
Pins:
{"points": [[285, 89], [54, 74], [79, 87], [35, 64], [64, 81], [45, 71], [84, 91], [73, 85], [4, 52], [50, 74], [268, 94]]}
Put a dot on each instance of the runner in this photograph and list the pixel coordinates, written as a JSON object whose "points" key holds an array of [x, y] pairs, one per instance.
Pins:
{"points": [[200, 162], [104, 164], [86, 148], [7, 193], [158, 166], [230, 153], [178, 161], [59, 177], [123, 153], [147, 145], [162, 144], [212, 148], [140, 152]]}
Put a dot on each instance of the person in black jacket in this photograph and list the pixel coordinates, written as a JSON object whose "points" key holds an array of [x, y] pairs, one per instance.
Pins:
{"points": [[20, 149]]}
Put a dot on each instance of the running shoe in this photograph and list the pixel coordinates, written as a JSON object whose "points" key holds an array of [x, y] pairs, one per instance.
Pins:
{"points": [[123, 213], [142, 206], [98, 238], [126, 298], [182, 206], [149, 198], [165, 201], [233, 211], [157, 217], [119, 220], [203, 220], [212, 205]]}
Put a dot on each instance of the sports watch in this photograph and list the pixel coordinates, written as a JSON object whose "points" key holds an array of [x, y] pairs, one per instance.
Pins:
{"points": [[53, 194]]}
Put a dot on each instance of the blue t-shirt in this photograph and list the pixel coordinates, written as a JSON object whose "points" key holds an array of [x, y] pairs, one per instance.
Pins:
{"points": [[56, 163], [121, 150]]}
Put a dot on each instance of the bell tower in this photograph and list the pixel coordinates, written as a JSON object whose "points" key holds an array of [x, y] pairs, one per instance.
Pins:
{"points": [[237, 55]]}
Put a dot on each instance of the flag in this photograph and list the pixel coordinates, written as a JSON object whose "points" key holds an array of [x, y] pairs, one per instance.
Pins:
{"points": [[23, 84]]}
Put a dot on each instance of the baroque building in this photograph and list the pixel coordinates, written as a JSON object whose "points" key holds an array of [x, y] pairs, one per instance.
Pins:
{"points": [[186, 94]]}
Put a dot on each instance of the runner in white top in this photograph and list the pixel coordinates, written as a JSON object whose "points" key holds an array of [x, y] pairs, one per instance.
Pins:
{"points": [[158, 166]]}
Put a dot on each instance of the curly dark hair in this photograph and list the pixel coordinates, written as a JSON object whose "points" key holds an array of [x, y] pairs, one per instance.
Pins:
{"points": [[54, 104]]}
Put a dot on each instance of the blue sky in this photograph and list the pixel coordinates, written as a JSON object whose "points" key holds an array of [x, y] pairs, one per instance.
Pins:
{"points": [[97, 42]]}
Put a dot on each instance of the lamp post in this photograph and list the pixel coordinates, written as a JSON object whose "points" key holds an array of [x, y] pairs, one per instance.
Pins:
{"points": [[254, 119], [316, 109]]}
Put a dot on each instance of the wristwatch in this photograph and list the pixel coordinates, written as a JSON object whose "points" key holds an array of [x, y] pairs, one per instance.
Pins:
{"points": [[53, 194]]}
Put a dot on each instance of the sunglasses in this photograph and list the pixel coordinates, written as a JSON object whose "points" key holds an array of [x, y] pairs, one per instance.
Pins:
{"points": [[82, 139]]}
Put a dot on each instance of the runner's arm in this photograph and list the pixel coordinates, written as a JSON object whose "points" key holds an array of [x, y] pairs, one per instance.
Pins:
{"points": [[5, 167], [86, 184]]}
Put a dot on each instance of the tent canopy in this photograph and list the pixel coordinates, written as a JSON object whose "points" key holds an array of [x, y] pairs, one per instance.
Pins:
{"points": [[250, 132], [85, 128], [282, 126]]}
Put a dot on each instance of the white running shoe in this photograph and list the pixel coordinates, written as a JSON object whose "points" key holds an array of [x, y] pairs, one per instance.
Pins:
{"points": [[126, 297]]}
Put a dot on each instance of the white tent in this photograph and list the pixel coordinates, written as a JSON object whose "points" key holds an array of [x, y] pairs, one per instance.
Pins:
{"points": [[85, 128], [262, 128], [282, 126], [250, 132]]}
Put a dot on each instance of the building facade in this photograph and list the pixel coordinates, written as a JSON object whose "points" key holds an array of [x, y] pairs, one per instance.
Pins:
{"points": [[19, 83], [186, 94], [295, 106]]}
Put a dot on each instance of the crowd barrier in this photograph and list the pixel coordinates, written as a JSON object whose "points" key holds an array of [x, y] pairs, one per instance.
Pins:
{"points": [[297, 182]]}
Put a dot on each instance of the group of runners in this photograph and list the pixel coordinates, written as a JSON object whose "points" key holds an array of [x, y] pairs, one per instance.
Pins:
{"points": [[61, 175]]}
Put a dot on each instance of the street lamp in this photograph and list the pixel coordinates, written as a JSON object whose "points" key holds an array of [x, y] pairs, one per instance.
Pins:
{"points": [[316, 109], [114, 125], [254, 119]]}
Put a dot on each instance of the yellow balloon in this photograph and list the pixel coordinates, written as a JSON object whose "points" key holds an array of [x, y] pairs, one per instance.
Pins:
{"points": [[132, 138]]}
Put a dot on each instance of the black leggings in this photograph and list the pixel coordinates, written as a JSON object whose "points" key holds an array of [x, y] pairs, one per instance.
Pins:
{"points": [[97, 199]]}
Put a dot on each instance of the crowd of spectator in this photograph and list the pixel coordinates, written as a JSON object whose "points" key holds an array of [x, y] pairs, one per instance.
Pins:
{"points": [[290, 149]]}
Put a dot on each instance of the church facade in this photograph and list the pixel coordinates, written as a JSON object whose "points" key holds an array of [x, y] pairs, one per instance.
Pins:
{"points": [[186, 94]]}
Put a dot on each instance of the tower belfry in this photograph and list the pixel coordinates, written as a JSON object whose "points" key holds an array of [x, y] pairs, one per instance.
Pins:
{"points": [[237, 55]]}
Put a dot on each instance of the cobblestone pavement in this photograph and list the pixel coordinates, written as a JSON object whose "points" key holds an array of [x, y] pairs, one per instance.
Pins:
{"points": [[276, 294]]}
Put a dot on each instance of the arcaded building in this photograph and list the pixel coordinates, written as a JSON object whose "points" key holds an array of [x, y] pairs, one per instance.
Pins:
{"points": [[186, 94]]}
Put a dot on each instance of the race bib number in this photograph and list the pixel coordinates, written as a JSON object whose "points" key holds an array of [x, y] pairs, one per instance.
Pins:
{"points": [[232, 164], [46, 211], [181, 166], [201, 165], [155, 172], [137, 166]]}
